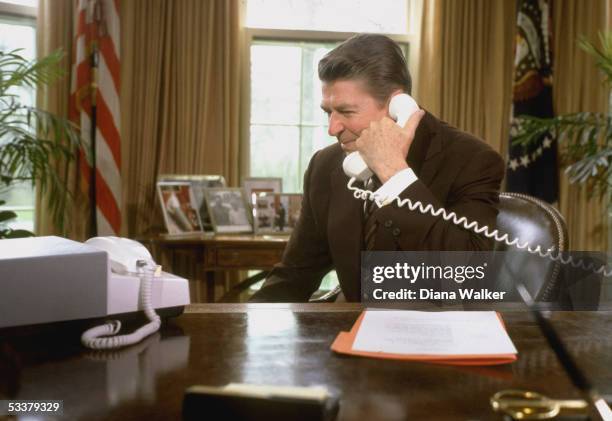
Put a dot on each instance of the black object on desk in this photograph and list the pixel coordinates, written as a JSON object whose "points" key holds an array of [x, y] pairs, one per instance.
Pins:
{"points": [[252, 403]]}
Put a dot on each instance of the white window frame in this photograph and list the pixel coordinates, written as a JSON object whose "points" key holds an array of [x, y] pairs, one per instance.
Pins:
{"points": [[19, 11], [412, 39]]}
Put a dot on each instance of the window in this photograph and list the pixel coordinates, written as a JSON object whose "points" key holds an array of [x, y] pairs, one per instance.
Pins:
{"points": [[18, 31], [287, 124]]}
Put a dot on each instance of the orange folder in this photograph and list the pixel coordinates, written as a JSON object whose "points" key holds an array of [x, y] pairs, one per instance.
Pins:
{"points": [[344, 345]]}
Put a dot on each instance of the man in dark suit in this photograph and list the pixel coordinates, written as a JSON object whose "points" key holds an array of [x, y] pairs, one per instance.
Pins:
{"points": [[426, 160]]}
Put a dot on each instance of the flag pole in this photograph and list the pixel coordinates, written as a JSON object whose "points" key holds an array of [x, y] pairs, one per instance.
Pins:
{"points": [[94, 89], [92, 175]]}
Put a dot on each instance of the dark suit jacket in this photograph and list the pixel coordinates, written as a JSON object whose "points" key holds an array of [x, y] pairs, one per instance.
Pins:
{"points": [[455, 170]]}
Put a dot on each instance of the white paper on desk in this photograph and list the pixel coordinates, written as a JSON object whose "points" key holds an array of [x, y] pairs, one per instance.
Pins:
{"points": [[433, 333]]}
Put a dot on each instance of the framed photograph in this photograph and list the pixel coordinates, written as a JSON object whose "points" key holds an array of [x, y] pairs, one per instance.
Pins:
{"points": [[277, 213], [254, 186], [179, 207], [228, 210], [199, 184]]}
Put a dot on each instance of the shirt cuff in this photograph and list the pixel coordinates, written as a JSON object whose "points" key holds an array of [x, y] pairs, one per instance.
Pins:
{"points": [[394, 186]]}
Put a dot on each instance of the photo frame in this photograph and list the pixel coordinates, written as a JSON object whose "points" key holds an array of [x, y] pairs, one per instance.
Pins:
{"points": [[277, 213], [228, 210], [179, 207], [257, 185], [199, 184]]}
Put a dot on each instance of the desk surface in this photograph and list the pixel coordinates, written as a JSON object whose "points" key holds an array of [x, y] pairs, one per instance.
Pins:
{"points": [[215, 344]]}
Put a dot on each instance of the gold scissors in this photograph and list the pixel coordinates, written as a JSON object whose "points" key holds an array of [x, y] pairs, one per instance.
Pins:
{"points": [[526, 405]]}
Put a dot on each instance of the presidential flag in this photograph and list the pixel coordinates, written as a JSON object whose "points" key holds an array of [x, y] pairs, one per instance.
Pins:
{"points": [[532, 169]]}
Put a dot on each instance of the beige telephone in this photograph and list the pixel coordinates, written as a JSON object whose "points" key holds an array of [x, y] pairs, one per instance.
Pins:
{"points": [[127, 257]]}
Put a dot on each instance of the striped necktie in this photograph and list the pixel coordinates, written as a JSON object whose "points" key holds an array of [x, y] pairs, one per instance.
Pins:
{"points": [[370, 224]]}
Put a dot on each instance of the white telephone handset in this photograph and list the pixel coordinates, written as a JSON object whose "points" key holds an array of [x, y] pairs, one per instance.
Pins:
{"points": [[127, 257], [401, 108], [123, 253]]}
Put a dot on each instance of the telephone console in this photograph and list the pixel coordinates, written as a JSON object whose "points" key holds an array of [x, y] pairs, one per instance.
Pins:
{"points": [[52, 279], [401, 108]]}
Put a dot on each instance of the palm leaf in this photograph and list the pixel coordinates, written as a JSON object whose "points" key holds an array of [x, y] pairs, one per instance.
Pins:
{"points": [[34, 143], [19, 72]]}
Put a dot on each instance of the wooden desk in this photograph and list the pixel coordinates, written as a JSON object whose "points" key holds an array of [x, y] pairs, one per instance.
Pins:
{"points": [[215, 344], [222, 253]]}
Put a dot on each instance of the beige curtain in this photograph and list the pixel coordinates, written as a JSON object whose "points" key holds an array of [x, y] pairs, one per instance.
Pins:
{"points": [[578, 87], [465, 68], [180, 97], [54, 31]]}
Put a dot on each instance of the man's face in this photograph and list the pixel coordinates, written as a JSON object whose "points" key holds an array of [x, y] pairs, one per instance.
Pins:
{"points": [[350, 109]]}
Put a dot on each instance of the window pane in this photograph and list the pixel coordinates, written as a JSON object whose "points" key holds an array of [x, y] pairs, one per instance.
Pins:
{"points": [[20, 198], [15, 34], [275, 89], [275, 153], [384, 16], [311, 85], [313, 139], [287, 98], [18, 36], [29, 3]]}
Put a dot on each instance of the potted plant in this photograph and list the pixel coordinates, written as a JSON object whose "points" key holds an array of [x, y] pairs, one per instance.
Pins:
{"points": [[34, 144], [584, 138]]}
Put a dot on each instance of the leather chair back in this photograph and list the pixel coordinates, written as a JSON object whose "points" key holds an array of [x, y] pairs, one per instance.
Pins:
{"points": [[538, 223]]}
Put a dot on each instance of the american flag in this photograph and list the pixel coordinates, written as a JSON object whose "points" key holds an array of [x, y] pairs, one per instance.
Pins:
{"points": [[94, 106]]}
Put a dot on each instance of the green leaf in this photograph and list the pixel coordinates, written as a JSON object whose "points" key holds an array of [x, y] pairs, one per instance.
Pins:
{"points": [[19, 234], [7, 215]]}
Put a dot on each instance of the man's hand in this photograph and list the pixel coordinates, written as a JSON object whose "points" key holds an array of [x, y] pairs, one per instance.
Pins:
{"points": [[384, 145]]}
